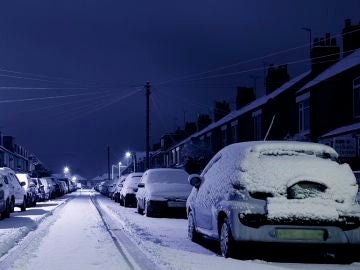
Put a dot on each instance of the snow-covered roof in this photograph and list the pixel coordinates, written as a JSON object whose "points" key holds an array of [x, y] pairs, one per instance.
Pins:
{"points": [[251, 106], [341, 130], [344, 64]]}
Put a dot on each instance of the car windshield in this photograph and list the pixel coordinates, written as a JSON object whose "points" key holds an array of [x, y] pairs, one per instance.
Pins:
{"points": [[170, 177]]}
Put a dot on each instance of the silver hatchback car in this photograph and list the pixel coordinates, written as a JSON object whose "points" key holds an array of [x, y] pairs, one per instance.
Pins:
{"points": [[275, 192]]}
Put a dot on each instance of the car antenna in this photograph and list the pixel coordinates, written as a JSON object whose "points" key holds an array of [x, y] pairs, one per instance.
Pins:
{"points": [[271, 124]]}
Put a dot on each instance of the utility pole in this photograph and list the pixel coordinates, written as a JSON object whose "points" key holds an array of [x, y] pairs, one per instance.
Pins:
{"points": [[147, 94], [108, 158]]}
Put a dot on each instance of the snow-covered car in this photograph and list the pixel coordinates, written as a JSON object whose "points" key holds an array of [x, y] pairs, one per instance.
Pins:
{"points": [[40, 189], [275, 192], [16, 192], [47, 188], [357, 175], [119, 186], [161, 190], [30, 189], [5, 197], [129, 189]]}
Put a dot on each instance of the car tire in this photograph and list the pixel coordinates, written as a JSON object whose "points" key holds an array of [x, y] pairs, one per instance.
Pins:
{"points": [[139, 209], [23, 205], [121, 201], [12, 206], [6, 213], [148, 212], [193, 235], [226, 239]]}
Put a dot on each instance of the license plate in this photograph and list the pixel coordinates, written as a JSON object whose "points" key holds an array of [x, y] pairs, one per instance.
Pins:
{"points": [[176, 204], [299, 234]]}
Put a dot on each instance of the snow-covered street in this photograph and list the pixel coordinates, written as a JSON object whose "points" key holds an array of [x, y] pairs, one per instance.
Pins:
{"points": [[86, 230]]}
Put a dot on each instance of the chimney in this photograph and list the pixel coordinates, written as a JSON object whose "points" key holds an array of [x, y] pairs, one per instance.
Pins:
{"points": [[276, 77], [324, 53], [221, 109], [244, 95], [350, 38]]}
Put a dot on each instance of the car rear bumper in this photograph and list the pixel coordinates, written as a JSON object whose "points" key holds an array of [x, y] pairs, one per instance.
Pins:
{"points": [[295, 233], [166, 206]]}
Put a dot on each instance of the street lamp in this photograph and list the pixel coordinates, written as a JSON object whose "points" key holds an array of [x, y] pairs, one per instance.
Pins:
{"points": [[129, 154], [74, 178], [66, 170]]}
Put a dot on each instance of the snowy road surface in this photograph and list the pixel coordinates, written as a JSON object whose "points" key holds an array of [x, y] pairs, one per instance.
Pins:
{"points": [[88, 231]]}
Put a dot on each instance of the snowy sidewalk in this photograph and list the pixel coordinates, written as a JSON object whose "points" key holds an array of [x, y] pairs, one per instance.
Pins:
{"points": [[13, 229], [76, 240]]}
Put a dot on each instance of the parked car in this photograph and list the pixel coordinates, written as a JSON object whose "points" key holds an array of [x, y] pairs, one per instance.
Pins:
{"points": [[30, 189], [15, 190], [129, 189], [275, 192], [40, 189], [161, 190], [119, 186], [47, 188], [5, 197], [357, 175]]}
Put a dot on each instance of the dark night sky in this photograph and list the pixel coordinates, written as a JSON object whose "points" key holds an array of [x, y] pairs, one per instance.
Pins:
{"points": [[113, 46]]}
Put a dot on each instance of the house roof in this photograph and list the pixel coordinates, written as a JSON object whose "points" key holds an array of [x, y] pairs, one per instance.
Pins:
{"points": [[346, 63], [342, 130], [251, 106]]}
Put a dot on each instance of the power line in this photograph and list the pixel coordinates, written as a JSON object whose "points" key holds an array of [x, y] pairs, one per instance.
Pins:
{"points": [[246, 61]]}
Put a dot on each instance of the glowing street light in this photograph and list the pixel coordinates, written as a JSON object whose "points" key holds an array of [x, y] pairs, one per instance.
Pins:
{"points": [[129, 154], [74, 178], [66, 170]]}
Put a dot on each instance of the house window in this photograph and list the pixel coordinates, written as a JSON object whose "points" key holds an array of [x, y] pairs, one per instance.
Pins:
{"points": [[356, 98], [224, 135], [304, 113], [234, 132], [257, 125]]}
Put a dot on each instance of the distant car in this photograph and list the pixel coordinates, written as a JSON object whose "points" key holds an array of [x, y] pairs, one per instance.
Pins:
{"points": [[47, 188], [161, 190], [129, 189], [119, 186], [275, 192], [30, 189], [15, 191], [40, 189]]}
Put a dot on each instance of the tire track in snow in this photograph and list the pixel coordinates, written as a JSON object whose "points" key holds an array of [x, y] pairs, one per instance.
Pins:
{"points": [[121, 239]]}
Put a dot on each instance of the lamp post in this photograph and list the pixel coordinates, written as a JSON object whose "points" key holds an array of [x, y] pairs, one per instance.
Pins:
{"points": [[133, 156], [307, 29]]}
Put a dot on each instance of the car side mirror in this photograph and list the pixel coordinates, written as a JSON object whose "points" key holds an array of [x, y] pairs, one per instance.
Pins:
{"points": [[195, 180], [22, 184], [141, 185]]}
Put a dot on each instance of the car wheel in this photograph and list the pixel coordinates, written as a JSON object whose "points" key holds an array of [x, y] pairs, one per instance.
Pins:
{"points": [[23, 206], [139, 209], [192, 233], [148, 212], [12, 206], [121, 201], [226, 239]]}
